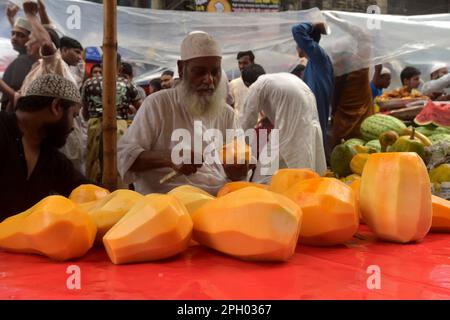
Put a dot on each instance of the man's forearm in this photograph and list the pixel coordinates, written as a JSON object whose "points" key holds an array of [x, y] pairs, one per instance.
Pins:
{"points": [[436, 85], [149, 160], [45, 20], [39, 31]]}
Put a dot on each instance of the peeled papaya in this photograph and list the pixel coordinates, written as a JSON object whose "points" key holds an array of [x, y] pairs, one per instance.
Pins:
{"points": [[330, 214], [88, 192], [192, 197], [157, 227], [55, 227], [251, 224], [356, 185], [107, 211], [284, 179], [441, 214], [237, 185], [236, 152], [395, 196]]}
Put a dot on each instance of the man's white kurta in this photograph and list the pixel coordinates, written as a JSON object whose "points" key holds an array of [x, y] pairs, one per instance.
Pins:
{"points": [[291, 106], [152, 129], [239, 92]]}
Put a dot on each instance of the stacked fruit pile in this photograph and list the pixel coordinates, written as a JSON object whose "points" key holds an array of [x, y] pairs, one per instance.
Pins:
{"points": [[382, 133], [246, 220]]}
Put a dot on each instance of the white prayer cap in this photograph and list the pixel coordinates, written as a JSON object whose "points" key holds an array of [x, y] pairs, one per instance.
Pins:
{"points": [[438, 66], [23, 23], [199, 44], [385, 71]]}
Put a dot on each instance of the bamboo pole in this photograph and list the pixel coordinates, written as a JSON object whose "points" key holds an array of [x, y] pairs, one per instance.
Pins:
{"points": [[109, 122]]}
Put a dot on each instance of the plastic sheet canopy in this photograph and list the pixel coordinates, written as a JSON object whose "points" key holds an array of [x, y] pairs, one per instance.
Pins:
{"points": [[357, 40], [412, 271]]}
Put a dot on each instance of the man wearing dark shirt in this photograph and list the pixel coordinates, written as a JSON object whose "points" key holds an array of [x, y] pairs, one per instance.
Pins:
{"points": [[17, 70], [31, 167]]}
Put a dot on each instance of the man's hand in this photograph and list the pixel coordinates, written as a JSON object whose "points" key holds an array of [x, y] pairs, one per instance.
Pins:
{"points": [[378, 68], [237, 172], [11, 11], [189, 167], [30, 7]]}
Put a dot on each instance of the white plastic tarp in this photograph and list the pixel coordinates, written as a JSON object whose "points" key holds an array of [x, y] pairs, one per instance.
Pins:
{"points": [[152, 38]]}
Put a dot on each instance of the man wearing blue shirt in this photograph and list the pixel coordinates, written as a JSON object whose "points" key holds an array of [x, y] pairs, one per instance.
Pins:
{"points": [[319, 75], [381, 80]]}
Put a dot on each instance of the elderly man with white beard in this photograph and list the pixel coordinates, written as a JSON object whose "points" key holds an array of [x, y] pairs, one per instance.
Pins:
{"points": [[145, 151]]}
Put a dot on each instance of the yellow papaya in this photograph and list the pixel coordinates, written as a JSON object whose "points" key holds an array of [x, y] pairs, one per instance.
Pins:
{"points": [[237, 185], [441, 214], [88, 192], [55, 227], [107, 211], [395, 196], [250, 224], [329, 207], [192, 197], [284, 179], [157, 227]]}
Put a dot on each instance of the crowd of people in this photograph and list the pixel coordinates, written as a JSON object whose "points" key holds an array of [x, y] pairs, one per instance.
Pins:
{"points": [[51, 118]]}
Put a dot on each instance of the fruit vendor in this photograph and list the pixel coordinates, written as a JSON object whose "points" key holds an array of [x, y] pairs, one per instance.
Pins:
{"points": [[31, 166], [291, 106], [145, 151]]}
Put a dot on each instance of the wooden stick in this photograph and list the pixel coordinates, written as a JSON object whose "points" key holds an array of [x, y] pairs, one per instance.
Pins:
{"points": [[109, 94], [169, 176]]}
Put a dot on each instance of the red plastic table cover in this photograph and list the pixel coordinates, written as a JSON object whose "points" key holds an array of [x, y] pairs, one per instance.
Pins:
{"points": [[411, 271]]}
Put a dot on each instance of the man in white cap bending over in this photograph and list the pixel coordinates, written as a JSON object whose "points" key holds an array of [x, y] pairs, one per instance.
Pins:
{"points": [[291, 106], [437, 87], [145, 151]]}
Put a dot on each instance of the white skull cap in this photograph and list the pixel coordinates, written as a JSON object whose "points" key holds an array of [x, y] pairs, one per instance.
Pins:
{"points": [[24, 24], [385, 71], [199, 44], [438, 66]]}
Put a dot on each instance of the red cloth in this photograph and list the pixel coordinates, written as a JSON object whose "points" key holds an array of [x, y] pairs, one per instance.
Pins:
{"points": [[413, 271]]}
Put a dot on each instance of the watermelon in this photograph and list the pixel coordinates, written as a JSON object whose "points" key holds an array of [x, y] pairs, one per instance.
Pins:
{"points": [[427, 130], [373, 126], [440, 130], [374, 144], [435, 138], [355, 142], [434, 113]]}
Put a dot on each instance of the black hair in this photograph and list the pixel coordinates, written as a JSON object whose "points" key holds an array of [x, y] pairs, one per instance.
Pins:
{"points": [[246, 53], [408, 73], [36, 103], [251, 73], [97, 65], [66, 42], [54, 37], [127, 69], [298, 70], [167, 73], [156, 83]]}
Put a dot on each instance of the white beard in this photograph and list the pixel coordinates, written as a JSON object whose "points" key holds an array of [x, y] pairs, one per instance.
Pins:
{"points": [[204, 106]]}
